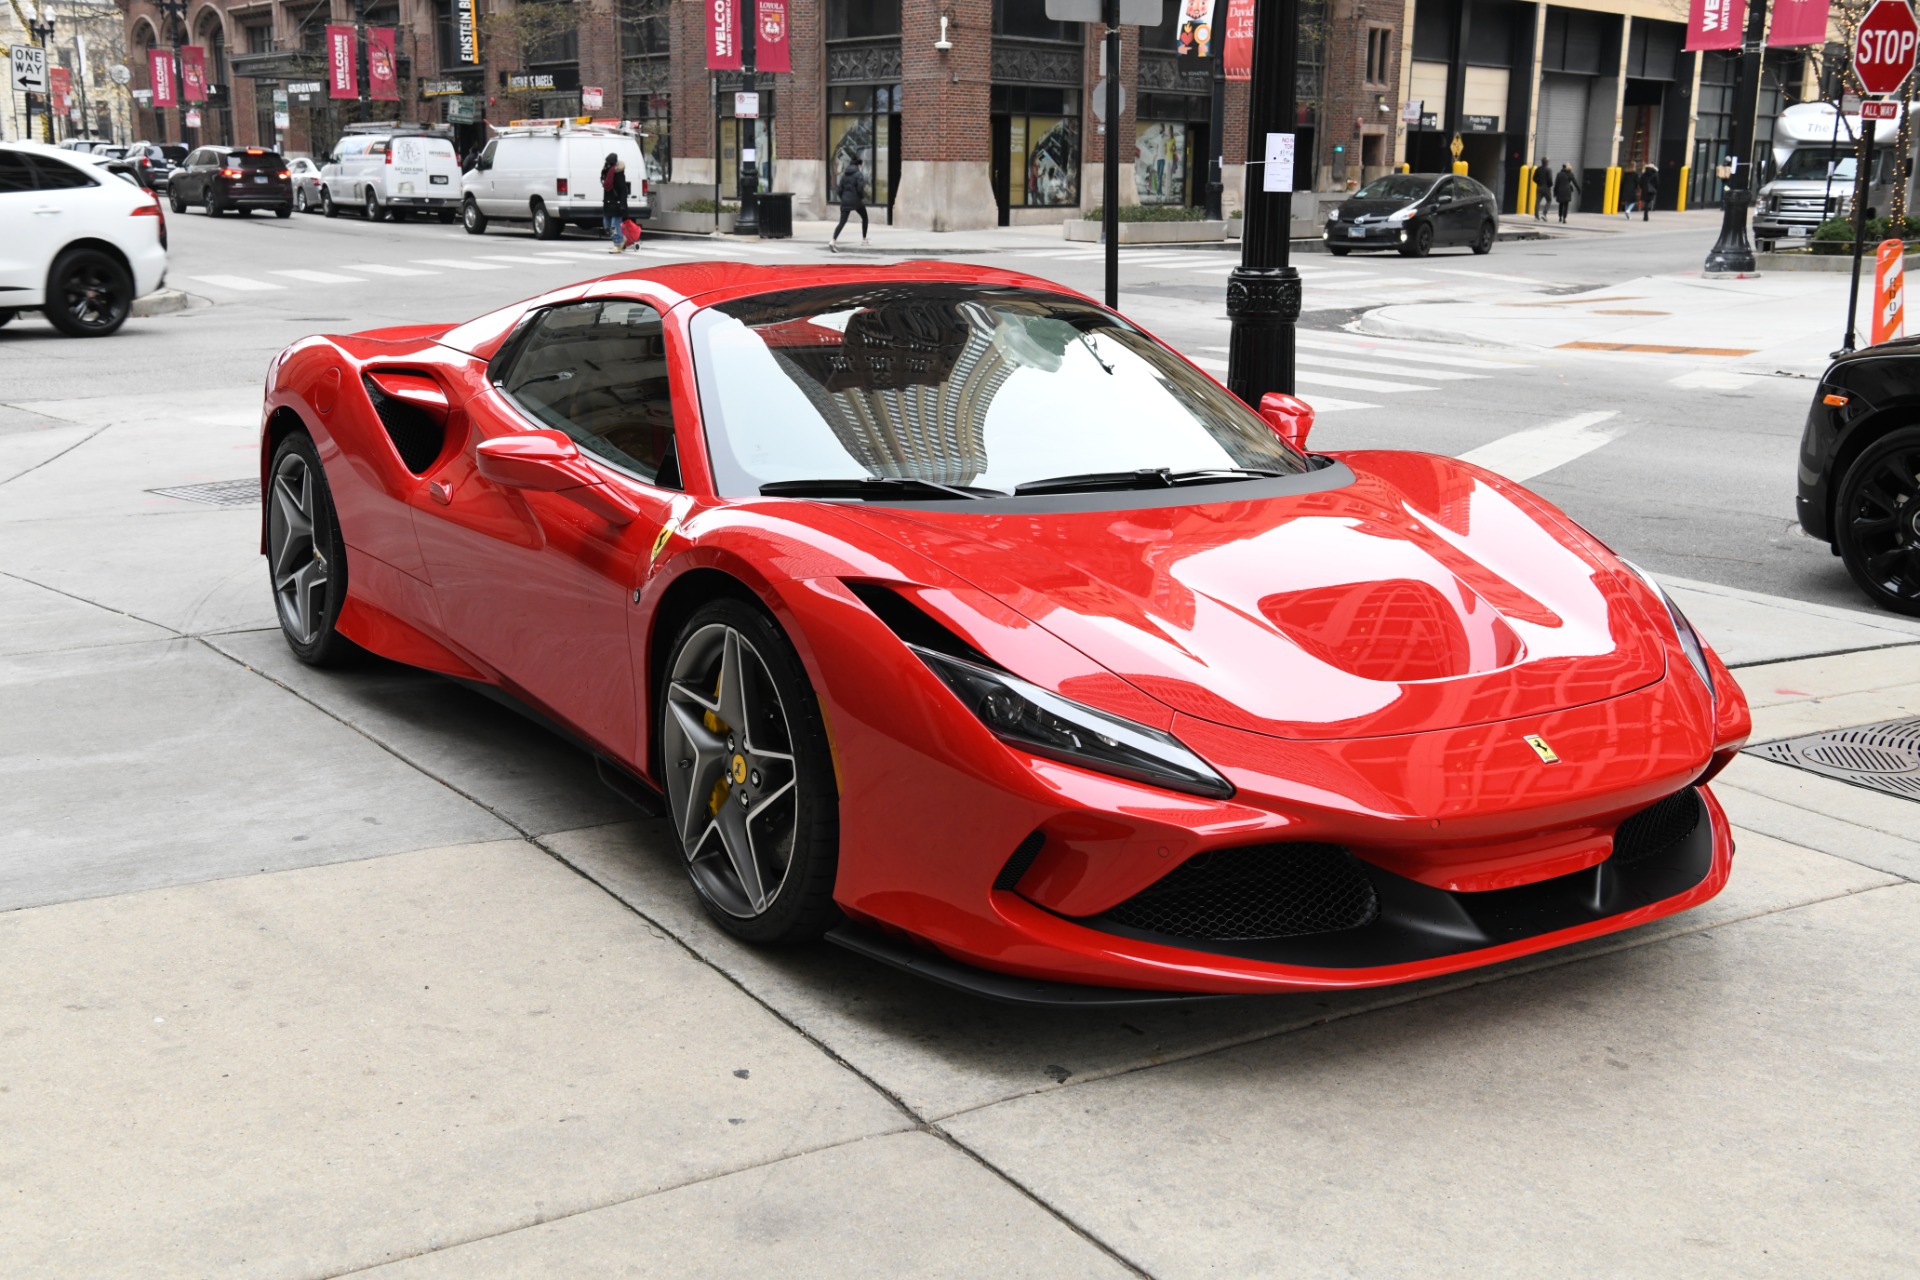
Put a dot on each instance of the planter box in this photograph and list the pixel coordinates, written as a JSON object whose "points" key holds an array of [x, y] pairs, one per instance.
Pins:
{"points": [[1150, 232], [1827, 261], [696, 224]]}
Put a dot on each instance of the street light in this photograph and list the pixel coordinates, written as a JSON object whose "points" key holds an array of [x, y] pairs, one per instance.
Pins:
{"points": [[175, 11], [1731, 254], [41, 29], [1263, 293], [746, 129]]}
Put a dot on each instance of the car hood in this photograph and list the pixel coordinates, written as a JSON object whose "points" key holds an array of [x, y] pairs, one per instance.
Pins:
{"points": [[1423, 595], [1352, 209]]}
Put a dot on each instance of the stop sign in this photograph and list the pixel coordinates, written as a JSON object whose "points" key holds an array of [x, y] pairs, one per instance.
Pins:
{"points": [[1884, 46]]}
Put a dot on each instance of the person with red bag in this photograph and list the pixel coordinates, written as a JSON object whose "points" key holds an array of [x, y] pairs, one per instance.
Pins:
{"points": [[614, 190]]}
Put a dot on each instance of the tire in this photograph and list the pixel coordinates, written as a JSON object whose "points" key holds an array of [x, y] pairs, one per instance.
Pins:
{"points": [[447, 216], [1876, 521], [545, 225], [763, 799], [6, 316], [1421, 243], [299, 199], [471, 218], [372, 209], [401, 215], [1339, 250], [302, 532], [89, 294], [1483, 244], [283, 211], [174, 201], [327, 207], [213, 208]]}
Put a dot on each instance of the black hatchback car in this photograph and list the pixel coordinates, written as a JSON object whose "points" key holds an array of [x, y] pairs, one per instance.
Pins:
{"points": [[1860, 470], [237, 178], [1415, 213]]}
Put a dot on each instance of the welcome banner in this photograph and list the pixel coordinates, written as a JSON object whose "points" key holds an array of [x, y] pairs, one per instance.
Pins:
{"points": [[383, 81], [1238, 43], [1715, 24], [160, 77], [771, 51], [343, 70], [723, 35], [1797, 23], [193, 73]]}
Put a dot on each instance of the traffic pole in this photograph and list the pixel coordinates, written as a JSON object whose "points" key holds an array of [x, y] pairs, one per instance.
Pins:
{"points": [[1731, 254], [1263, 293], [1110, 177], [1863, 171]]}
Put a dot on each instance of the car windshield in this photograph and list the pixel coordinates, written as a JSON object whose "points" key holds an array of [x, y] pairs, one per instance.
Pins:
{"points": [[1819, 164], [1395, 186], [972, 386]]}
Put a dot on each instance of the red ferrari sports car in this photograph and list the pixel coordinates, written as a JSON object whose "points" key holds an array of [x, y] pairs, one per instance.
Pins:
{"points": [[950, 616]]}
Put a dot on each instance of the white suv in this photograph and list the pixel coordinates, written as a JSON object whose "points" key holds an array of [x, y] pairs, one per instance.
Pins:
{"points": [[549, 175], [392, 174], [75, 241]]}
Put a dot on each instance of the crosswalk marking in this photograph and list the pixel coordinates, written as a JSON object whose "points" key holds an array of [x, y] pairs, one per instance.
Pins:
{"points": [[1310, 357], [1307, 374], [382, 269], [512, 257], [241, 283], [1526, 454], [1321, 404], [316, 277], [1417, 357], [461, 264]]}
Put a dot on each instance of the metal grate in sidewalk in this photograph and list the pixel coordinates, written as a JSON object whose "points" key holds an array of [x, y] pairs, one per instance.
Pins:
{"points": [[216, 493], [1881, 757]]}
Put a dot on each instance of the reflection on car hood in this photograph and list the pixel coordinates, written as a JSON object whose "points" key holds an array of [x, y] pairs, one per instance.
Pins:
{"points": [[1352, 209], [1423, 595]]}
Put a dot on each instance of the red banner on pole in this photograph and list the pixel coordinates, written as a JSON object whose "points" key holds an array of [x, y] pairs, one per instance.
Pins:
{"points": [[723, 35], [383, 79], [1797, 23], [160, 78], [1715, 24], [60, 81], [1239, 40], [343, 69], [193, 73], [772, 52]]}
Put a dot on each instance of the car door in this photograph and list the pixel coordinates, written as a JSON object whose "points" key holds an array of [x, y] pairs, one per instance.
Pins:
{"points": [[537, 585], [30, 231], [484, 183]]}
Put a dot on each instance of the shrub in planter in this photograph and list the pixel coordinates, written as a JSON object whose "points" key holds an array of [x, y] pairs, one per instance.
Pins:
{"points": [[1150, 213], [1835, 235], [704, 205]]}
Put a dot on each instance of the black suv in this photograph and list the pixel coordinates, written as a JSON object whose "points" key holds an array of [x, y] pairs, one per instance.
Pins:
{"points": [[237, 178], [1860, 470], [155, 162]]}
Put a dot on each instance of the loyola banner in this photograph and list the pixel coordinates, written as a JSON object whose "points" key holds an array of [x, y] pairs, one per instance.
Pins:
{"points": [[343, 72], [160, 76], [383, 82], [771, 52], [193, 73], [1715, 24], [1797, 23], [723, 35]]}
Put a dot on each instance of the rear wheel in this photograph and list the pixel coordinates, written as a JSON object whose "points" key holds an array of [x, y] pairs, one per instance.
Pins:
{"points": [[213, 206], [448, 215], [89, 294], [545, 225], [472, 219], [6, 317], [401, 215], [749, 777], [1483, 243], [173, 199], [1877, 521], [283, 211], [306, 559], [300, 199]]}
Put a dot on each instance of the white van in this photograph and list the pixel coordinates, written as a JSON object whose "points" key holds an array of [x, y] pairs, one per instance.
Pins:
{"points": [[549, 175], [1816, 152], [392, 173]]}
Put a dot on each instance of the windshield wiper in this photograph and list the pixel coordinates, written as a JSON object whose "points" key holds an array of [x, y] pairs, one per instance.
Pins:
{"points": [[1145, 478], [873, 487]]}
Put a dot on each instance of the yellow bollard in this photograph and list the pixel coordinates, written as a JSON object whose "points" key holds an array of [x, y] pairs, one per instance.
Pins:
{"points": [[1460, 167], [1405, 167], [1527, 200], [1680, 196], [1610, 202]]}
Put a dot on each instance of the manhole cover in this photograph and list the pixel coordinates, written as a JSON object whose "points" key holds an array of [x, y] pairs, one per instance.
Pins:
{"points": [[216, 493], [1881, 757]]}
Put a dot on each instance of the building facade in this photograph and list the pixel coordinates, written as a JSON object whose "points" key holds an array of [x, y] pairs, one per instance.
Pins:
{"points": [[88, 40]]}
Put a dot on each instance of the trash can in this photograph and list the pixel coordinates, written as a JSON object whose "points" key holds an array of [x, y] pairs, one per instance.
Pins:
{"points": [[776, 215]]}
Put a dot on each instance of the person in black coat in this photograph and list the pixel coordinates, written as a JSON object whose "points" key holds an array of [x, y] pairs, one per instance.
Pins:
{"points": [[614, 190], [1542, 189], [1565, 188], [1649, 190], [853, 199]]}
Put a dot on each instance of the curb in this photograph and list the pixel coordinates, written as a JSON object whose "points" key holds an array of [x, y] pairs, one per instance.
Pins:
{"points": [[161, 302]]}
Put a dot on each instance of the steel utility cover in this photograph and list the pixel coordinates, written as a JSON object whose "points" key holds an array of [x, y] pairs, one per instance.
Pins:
{"points": [[1881, 757]]}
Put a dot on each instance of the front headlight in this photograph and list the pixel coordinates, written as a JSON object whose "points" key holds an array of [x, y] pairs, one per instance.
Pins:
{"points": [[1048, 725], [1401, 215], [1689, 638]]}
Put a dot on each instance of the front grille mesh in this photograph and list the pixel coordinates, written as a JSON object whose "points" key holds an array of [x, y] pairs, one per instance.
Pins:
{"points": [[1257, 891], [1657, 828]]}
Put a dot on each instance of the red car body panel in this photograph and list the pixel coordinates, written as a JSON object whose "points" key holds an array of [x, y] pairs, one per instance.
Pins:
{"points": [[1364, 663]]}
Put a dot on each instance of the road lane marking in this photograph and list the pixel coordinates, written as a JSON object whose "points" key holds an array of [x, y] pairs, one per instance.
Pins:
{"points": [[1312, 359], [511, 257], [1340, 380], [240, 283], [318, 277], [382, 269], [1487, 275], [1538, 450], [1417, 357], [460, 264]]}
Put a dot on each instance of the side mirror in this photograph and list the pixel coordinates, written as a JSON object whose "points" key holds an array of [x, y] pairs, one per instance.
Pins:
{"points": [[415, 389], [1290, 418], [549, 462]]}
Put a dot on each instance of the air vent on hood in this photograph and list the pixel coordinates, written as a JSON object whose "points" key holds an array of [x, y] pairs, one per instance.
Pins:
{"points": [[906, 620]]}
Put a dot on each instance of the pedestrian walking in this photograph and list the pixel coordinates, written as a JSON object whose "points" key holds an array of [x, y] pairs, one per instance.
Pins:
{"points": [[853, 199], [1649, 190], [1566, 188], [1542, 189], [614, 190]]}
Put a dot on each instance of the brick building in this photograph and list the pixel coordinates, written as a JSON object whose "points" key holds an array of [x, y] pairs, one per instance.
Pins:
{"points": [[999, 127]]}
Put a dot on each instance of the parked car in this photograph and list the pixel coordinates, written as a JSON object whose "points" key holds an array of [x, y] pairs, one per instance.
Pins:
{"points": [[76, 242], [791, 548], [156, 162], [393, 174], [305, 176], [549, 175], [1860, 470], [240, 179], [1415, 213], [94, 147]]}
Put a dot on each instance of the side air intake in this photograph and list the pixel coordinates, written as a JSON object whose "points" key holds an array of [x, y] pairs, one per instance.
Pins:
{"points": [[417, 435]]}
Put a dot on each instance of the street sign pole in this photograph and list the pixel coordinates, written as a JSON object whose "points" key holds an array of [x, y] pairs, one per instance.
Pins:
{"points": [[1110, 179], [1263, 293], [1863, 170], [747, 131]]}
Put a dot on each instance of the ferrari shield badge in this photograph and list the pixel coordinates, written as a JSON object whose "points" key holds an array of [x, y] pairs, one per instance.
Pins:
{"points": [[1541, 749]]}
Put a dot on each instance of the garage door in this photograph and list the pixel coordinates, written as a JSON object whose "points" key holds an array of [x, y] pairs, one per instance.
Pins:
{"points": [[1563, 120]]}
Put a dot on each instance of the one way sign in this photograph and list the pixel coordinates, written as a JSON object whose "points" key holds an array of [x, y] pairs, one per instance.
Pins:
{"points": [[29, 68]]}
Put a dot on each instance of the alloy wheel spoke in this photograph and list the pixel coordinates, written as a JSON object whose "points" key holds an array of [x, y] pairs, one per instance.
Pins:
{"points": [[706, 756], [737, 837], [733, 685]]}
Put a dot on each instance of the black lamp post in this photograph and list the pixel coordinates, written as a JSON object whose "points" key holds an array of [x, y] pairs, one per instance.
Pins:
{"points": [[176, 13], [41, 29], [747, 221], [1731, 253], [1263, 293]]}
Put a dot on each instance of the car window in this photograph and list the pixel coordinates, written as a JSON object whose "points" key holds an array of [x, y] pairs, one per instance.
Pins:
{"points": [[15, 173], [254, 160], [58, 175], [598, 371], [493, 148]]}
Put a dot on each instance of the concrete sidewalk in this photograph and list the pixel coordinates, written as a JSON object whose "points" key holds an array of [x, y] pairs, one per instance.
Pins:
{"points": [[310, 974]]}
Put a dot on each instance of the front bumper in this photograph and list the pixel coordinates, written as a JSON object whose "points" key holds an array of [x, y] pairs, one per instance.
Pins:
{"points": [[1770, 228], [1373, 235]]}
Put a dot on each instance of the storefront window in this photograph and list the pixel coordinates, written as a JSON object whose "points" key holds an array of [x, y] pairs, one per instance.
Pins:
{"points": [[1160, 159], [652, 115], [760, 138], [861, 19], [860, 122], [1043, 145]]}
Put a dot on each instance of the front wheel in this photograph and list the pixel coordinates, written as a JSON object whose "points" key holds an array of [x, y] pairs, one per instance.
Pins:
{"points": [[1483, 243], [89, 295], [283, 211], [373, 210], [1339, 250], [327, 206], [749, 777], [1419, 242], [6, 316], [447, 215], [306, 558], [1877, 521], [472, 219]]}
